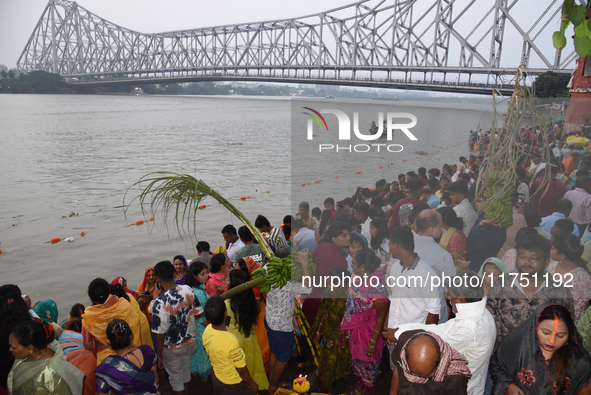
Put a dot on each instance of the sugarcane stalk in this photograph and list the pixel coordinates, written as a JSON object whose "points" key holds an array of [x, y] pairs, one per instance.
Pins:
{"points": [[295, 336], [303, 316], [305, 334], [244, 286], [181, 194]]}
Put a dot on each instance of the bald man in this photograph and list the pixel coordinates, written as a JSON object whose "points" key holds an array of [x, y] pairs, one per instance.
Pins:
{"points": [[422, 355], [425, 364]]}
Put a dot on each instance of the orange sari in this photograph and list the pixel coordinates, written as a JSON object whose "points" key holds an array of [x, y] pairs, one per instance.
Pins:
{"points": [[143, 287], [96, 318]]}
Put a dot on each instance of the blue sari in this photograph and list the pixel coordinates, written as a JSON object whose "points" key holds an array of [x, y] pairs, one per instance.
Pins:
{"points": [[121, 377], [200, 361]]}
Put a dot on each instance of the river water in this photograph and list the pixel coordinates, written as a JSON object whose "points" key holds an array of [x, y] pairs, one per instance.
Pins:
{"points": [[67, 161]]}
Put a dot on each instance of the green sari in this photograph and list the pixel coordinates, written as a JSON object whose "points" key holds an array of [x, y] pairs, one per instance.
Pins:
{"points": [[334, 362], [46, 376]]}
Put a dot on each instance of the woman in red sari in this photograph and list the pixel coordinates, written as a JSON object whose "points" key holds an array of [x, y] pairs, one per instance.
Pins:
{"points": [[329, 255], [365, 313]]}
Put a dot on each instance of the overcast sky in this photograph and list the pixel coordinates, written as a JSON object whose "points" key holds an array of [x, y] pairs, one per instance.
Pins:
{"points": [[19, 17]]}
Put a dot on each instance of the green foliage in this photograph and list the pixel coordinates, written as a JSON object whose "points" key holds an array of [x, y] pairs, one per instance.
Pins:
{"points": [[33, 82], [551, 84], [575, 14]]}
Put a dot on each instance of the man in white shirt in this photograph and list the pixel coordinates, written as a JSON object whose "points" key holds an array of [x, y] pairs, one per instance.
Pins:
{"points": [[429, 225], [458, 193], [361, 214], [412, 298], [472, 332], [233, 242], [581, 200]]}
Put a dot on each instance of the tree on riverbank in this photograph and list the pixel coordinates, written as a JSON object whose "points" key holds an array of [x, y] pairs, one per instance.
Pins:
{"points": [[33, 82], [551, 84]]}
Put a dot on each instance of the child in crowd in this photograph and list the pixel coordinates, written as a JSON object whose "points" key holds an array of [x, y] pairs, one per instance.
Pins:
{"points": [[230, 374]]}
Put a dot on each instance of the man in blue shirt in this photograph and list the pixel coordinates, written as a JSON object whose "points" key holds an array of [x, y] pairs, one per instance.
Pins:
{"points": [[562, 211], [302, 236]]}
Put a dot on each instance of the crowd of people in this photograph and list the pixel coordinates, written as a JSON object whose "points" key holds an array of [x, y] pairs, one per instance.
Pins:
{"points": [[522, 327]]}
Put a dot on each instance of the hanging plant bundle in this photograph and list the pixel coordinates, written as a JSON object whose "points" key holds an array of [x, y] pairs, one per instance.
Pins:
{"points": [[497, 177]]}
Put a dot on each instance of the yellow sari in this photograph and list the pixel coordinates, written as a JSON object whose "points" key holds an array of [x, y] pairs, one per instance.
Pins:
{"points": [[96, 318], [145, 329]]}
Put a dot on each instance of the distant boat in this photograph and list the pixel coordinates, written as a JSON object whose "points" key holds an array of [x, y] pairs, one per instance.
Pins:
{"points": [[330, 97]]}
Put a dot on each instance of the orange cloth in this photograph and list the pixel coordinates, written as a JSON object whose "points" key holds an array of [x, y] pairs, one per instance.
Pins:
{"points": [[569, 164], [252, 266], [96, 318], [143, 287], [262, 337]]}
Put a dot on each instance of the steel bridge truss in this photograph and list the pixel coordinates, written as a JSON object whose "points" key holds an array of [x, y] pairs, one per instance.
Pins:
{"points": [[447, 45]]}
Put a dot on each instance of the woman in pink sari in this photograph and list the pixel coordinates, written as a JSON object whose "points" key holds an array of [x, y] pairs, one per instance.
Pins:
{"points": [[220, 266], [365, 313]]}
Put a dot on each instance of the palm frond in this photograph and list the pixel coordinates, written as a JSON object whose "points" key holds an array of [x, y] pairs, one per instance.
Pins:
{"points": [[179, 195]]}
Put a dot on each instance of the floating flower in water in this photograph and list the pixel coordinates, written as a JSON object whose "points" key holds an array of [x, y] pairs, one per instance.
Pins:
{"points": [[139, 222], [301, 384], [55, 240], [151, 218], [82, 234], [201, 207]]}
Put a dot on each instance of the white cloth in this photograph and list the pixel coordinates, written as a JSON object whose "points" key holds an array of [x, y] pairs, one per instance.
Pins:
{"points": [[465, 211], [281, 305], [440, 260], [524, 190], [233, 248], [472, 333], [410, 304], [33, 314], [454, 178], [365, 230]]}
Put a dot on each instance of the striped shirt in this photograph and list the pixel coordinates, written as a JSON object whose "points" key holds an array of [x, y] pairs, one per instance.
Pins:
{"points": [[276, 238]]}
